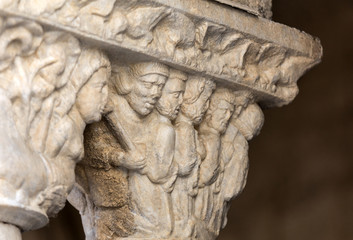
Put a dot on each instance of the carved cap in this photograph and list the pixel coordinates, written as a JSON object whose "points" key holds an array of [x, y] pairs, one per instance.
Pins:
{"points": [[145, 68], [178, 74]]}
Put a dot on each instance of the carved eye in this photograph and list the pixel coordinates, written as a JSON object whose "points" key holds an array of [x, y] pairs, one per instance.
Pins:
{"points": [[147, 85]]}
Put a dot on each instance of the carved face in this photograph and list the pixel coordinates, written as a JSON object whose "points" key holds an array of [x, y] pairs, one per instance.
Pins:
{"points": [[145, 93], [197, 110], [250, 121], [93, 96], [171, 99], [220, 116]]}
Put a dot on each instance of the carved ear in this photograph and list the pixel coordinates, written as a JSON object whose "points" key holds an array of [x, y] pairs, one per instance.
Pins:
{"points": [[201, 87]]}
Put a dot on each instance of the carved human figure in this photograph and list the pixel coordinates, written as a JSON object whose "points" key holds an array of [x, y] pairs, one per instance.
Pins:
{"points": [[50, 88], [234, 154], [236, 172], [65, 137], [29, 105], [49, 110], [147, 179], [161, 169], [211, 129], [167, 109], [188, 152], [124, 148]]}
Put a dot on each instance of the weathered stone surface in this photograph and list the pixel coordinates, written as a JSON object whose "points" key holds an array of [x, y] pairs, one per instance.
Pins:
{"points": [[257, 7], [50, 88], [153, 172], [186, 80], [8, 231], [214, 40]]}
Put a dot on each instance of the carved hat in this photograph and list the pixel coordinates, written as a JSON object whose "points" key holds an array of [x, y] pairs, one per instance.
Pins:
{"points": [[178, 74], [145, 68], [89, 62]]}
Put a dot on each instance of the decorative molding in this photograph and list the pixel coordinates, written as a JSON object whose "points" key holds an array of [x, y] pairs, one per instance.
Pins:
{"points": [[186, 80], [260, 8], [251, 53]]}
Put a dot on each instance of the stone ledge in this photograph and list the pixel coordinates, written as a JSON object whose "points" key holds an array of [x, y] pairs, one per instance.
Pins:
{"points": [[260, 8], [226, 44]]}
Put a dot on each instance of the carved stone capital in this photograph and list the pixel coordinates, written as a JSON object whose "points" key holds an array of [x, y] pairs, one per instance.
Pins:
{"points": [[50, 88], [180, 85]]}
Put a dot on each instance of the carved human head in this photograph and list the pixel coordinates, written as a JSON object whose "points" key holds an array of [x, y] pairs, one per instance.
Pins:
{"points": [[56, 58], [242, 99], [220, 110], [142, 85], [90, 78], [172, 94], [250, 121], [196, 98]]}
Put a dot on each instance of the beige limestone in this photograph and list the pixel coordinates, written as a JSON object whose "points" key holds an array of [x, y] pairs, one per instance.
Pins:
{"points": [[180, 85], [256, 7], [8, 231], [50, 89]]}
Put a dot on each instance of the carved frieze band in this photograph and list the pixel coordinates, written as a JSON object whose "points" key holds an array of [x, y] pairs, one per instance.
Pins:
{"points": [[256, 7], [179, 91], [189, 37]]}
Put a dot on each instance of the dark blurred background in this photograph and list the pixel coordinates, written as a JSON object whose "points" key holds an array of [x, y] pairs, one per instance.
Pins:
{"points": [[300, 184]]}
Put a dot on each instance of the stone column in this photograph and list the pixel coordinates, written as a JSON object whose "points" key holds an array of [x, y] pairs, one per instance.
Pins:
{"points": [[8, 231], [180, 85]]}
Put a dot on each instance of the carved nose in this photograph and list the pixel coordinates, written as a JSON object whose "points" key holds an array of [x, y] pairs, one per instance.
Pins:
{"points": [[155, 93], [180, 99], [229, 113]]}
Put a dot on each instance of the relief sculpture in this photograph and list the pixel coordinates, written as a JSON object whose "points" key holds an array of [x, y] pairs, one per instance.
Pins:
{"points": [[187, 153], [170, 93], [50, 88], [156, 166]]}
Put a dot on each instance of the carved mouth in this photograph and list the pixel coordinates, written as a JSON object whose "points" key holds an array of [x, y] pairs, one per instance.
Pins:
{"points": [[149, 105]]}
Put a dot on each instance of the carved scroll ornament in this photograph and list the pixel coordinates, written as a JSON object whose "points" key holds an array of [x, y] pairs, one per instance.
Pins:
{"points": [[180, 89]]}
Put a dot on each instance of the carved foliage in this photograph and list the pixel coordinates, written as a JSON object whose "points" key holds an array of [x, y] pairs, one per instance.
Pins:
{"points": [[50, 89]]}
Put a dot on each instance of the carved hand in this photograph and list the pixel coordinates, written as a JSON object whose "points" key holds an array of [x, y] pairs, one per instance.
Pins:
{"points": [[208, 174], [133, 160], [188, 167]]}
